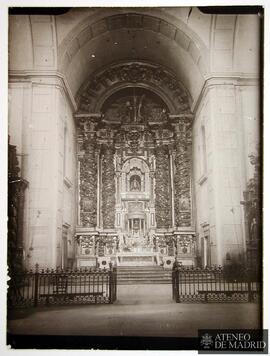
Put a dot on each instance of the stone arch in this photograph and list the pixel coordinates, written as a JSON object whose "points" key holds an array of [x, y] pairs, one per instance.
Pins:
{"points": [[100, 86], [95, 25], [119, 86], [139, 162], [176, 40]]}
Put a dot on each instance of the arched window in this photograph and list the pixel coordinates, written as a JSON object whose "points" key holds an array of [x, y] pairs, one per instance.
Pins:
{"points": [[135, 183]]}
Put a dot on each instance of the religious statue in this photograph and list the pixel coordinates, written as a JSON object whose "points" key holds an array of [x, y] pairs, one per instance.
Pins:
{"points": [[253, 229], [139, 116], [135, 183], [129, 111], [184, 203], [134, 109]]}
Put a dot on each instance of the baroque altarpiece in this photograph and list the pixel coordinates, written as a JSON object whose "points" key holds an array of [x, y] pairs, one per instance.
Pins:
{"points": [[134, 164]]}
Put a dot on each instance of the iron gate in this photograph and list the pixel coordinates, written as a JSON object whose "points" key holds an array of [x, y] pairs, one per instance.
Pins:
{"points": [[211, 284], [78, 286]]}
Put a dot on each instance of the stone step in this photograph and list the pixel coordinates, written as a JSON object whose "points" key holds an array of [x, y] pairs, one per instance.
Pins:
{"points": [[143, 275], [140, 268], [144, 272], [134, 276], [133, 282]]}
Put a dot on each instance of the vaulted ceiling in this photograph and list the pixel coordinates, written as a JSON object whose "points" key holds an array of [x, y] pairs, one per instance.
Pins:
{"points": [[84, 42], [135, 35]]}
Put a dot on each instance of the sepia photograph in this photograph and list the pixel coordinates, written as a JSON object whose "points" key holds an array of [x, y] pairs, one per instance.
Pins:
{"points": [[135, 141]]}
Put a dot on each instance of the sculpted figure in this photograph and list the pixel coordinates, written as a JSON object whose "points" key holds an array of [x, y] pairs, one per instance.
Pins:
{"points": [[135, 184]]}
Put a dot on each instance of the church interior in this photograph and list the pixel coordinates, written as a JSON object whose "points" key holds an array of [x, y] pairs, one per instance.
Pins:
{"points": [[135, 137]]}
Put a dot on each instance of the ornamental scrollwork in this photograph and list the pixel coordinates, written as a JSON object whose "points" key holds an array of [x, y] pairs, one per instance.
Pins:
{"points": [[88, 184], [162, 189], [182, 176], [252, 208], [108, 187], [185, 244], [137, 72]]}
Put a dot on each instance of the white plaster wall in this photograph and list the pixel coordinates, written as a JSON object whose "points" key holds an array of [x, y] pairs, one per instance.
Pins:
{"points": [[19, 126], [44, 42], [203, 179], [38, 162], [197, 21], [251, 124], [67, 172], [20, 42], [247, 44], [32, 43], [230, 113], [35, 128], [235, 42], [227, 154]]}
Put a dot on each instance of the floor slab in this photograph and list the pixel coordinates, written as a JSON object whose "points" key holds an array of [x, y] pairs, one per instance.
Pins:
{"points": [[141, 310]]}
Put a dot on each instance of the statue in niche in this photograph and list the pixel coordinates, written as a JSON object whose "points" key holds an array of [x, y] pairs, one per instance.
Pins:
{"points": [[253, 229], [135, 184], [184, 203], [136, 224]]}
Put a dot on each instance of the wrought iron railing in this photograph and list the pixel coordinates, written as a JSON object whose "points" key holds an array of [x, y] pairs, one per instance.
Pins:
{"points": [[78, 286], [212, 284]]}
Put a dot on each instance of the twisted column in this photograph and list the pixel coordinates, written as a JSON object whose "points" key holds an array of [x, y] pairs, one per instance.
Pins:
{"points": [[182, 176], [108, 187], [162, 189], [88, 184]]}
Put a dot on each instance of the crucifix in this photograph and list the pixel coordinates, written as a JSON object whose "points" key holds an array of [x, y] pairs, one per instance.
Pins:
{"points": [[134, 108]]}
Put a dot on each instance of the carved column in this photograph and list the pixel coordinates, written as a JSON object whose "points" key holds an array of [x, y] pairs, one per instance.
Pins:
{"points": [[98, 154], [172, 187], [152, 184], [108, 187], [182, 176], [118, 177], [88, 183], [162, 189]]}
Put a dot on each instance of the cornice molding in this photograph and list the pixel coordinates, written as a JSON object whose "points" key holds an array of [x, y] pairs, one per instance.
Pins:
{"points": [[236, 79], [42, 77]]}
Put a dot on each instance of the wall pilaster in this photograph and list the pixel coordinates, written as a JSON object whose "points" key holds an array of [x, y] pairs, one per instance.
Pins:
{"points": [[222, 118]]}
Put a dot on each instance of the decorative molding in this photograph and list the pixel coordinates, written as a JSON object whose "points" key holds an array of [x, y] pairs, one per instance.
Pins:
{"points": [[44, 77], [129, 143], [162, 188], [236, 79], [202, 179], [182, 162], [97, 89], [108, 186], [185, 245], [88, 183], [67, 182]]}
